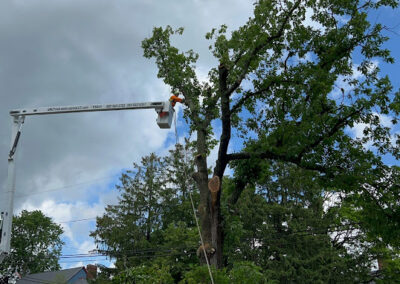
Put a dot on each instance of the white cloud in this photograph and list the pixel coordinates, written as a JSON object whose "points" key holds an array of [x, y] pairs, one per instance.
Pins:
{"points": [[87, 246], [311, 22], [62, 212], [357, 131]]}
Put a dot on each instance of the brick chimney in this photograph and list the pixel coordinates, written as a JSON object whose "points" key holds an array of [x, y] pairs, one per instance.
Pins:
{"points": [[91, 271]]}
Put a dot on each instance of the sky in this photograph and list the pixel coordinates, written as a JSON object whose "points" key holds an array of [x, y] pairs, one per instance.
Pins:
{"points": [[77, 52]]}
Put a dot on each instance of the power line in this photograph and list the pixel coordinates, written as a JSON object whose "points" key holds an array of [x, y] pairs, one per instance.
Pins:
{"points": [[63, 187], [77, 261], [141, 254], [78, 220], [130, 256], [74, 248], [84, 257], [130, 253]]}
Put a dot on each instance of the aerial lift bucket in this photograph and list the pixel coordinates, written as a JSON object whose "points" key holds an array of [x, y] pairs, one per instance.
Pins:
{"points": [[165, 115]]}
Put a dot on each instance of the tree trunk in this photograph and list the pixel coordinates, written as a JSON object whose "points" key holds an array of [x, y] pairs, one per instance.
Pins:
{"points": [[216, 231], [210, 221], [209, 208]]}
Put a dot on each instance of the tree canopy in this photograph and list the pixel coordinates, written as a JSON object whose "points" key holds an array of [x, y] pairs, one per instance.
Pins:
{"points": [[35, 244], [153, 221]]}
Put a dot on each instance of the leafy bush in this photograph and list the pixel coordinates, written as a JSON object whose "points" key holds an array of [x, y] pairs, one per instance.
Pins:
{"points": [[145, 275], [200, 275], [246, 272]]}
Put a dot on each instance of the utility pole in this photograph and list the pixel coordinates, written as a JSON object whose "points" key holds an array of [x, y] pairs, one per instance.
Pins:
{"points": [[165, 112]]}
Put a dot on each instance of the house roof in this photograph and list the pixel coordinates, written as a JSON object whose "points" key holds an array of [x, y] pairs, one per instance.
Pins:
{"points": [[61, 276]]}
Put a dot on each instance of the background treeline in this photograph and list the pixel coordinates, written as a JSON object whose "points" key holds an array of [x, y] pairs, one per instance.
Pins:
{"points": [[35, 246]]}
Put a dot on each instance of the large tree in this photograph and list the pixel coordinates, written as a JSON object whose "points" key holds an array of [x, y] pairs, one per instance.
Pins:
{"points": [[297, 232], [153, 221], [131, 225], [35, 244], [280, 80]]}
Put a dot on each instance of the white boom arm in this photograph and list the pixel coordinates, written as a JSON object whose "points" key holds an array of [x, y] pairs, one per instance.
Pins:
{"points": [[165, 113]]}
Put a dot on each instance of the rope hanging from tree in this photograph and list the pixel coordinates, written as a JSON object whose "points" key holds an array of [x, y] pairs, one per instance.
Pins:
{"points": [[193, 207]]}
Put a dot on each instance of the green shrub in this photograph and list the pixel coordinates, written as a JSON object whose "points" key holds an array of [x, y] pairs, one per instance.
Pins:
{"points": [[246, 272], [200, 275], [145, 275]]}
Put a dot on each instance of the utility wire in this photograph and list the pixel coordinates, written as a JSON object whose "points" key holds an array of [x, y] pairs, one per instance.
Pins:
{"points": [[62, 188], [131, 256], [83, 256], [201, 238], [84, 261], [176, 130], [186, 250], [176, 254], [78, 220], [146, 250]]}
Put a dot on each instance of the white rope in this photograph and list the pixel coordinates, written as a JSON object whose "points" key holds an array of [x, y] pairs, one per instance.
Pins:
{"points": [[176, 131], [194, 210], [201, 238]]}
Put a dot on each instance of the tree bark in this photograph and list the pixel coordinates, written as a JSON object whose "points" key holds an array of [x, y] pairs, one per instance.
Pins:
{"points": [[201, 178], [217, 237]]}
